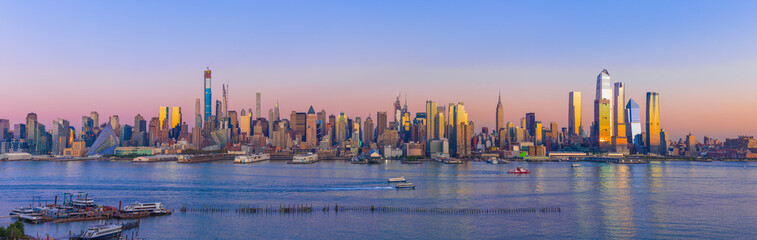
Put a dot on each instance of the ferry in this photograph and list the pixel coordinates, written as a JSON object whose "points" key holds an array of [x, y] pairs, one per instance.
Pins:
{"points": [[575, 165], [252, 158], [22, 210], [519, 170], [397, 179], [305, 158], [152, 208], [405, 186], [494, 160], [83, 201], [453, 161], [112, 231], [32, 217]]}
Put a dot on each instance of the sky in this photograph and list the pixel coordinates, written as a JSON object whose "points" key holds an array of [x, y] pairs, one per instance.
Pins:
{"points": [[67, 58]]}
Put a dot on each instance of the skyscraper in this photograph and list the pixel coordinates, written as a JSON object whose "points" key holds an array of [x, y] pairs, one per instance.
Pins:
{"points": [[175, 117], [368, 130], [95, 118], [619, 140], [162, 116], [604, 91], [633, 125], [430, 120], [208, 97], [574, 113], [225, 110], [531, 124], [602, 124], [311, 134], [257, 106], [500, 121], [653, 123], [198, 114], [380, 124]]}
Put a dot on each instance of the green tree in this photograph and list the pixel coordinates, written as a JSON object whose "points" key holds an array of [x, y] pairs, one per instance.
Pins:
{"points": [[13, 231]]}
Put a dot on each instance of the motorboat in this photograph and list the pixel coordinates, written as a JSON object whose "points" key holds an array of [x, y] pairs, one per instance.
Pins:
{"points": [[405, 186], [22, 210], [397, 179], [152, 208], [102, 231], [519, 170], [252, 158]]}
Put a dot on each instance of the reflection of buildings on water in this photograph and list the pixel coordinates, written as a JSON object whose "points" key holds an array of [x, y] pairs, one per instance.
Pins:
{"points": [[616, 201]]}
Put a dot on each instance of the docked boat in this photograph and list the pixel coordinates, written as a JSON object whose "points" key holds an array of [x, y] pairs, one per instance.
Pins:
{"points": [[397, 179], [305, 158], [83, 201], [575, 165], [493, 160], [22, 210], [519, 170], [453, 161], [110, 231], [32, 217], [152, 208], [252, 158], [405, 186]]}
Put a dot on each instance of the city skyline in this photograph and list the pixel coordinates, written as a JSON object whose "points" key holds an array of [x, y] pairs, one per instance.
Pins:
{"points": [[121, 75]]}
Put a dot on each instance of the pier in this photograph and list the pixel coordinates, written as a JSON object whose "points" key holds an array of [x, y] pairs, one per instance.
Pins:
{"points": [[309, 208]]}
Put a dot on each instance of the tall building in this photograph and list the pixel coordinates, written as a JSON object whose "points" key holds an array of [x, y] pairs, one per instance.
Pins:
{"points": [[198, 114], [208, 96], [430, 120], [175, 117], [691, 145], [60, 136], [604, 91], [257, 105], [574, 113], [311, 135], [653, 123], [500, 121], [368, 130], [380, 124], [619, 139], [531, 124], [602, 124], [95, 118], [633, 125], [162, 116]]}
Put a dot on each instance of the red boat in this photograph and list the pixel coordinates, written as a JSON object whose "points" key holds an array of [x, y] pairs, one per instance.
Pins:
{"points": [[519, 170]]}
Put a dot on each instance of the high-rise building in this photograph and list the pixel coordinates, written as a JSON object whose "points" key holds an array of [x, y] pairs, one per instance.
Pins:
{"points": [[341, 129], [380, 124], [208, 96], [162, 116], [257, 105], [198, 114], [116, 124], [368, 130], [311, 135], [574, 113], [95, 118], [653, 123], [531, 124], [175, 117], [604, 91], [60, 136], [431, 120], [500, 121], [225, 91], [602, 124], [633, 123], [619, 139], [538, 133], [691, 145]]}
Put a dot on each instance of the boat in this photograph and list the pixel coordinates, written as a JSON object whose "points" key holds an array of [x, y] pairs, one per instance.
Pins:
{"points": [[405, 186], [453, 161], [493, 160], [22, 210], [358, 160], [32, 217], [153, 208], [575, 165], [519, 170], [82, 200], [252, 158], [101, 231], [397, 179], [304, 158]]}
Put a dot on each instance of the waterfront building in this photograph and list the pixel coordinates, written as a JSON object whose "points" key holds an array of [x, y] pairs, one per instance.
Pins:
{"points": [[106, 142], [574, 113], [653, 123]]}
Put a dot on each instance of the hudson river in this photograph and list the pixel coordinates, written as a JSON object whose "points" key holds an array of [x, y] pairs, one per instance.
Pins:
{"points": [[668, 200]]}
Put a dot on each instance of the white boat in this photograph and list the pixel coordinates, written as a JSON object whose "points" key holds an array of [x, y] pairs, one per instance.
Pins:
{"points": [[493, 160], [22, 210], [111, 231], [305, 158], [83, 202], [397, 179], [153, 208], [575, 165], [405, 186], [32, 217], [252, 158]]}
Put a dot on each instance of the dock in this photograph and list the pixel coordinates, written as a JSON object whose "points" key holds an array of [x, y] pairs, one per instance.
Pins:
{"points": [[204, 158]]}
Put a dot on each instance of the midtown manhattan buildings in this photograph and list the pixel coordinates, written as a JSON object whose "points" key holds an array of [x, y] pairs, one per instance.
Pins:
{"points": [[653, 123]]}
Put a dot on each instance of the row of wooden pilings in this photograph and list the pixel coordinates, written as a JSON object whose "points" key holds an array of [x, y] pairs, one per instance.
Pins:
{"points": [[308, 208]]}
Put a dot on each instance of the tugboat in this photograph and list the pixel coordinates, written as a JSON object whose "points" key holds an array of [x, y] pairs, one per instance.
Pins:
{"points": [[519, 170], [397, 179], [405, 186]]}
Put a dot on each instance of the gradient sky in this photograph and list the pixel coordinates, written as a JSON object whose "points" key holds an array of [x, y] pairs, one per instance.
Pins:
{"points": [[67, 58]]}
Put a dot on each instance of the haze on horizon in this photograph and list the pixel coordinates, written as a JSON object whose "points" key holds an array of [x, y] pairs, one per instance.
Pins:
{"points": [[65, 59]]}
